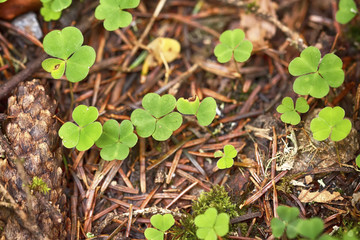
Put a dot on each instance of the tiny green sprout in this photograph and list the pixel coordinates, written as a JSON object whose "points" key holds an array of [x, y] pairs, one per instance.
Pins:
{"points": [[232, 43], [330, 122], [357, 161], [289, 112], [310, 228], [211, 224], [51, 9], [113, 13], [315, 78], [288, 219], [157, 119], [70, 57], [347, 11], [2, 1], [89, 235], [205, 111], [227, 157], [116, 140], [162, 223], [39, 185], [86, 133]]}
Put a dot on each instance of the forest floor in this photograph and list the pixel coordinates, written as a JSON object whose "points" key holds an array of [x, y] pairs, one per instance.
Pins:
{"points": [[277, 164]]}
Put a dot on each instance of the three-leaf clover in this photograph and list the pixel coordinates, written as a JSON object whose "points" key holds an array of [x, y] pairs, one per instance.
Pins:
{"points": [[227, 157], [116, 140], [86, 133], [113, 13], [162, 223], [315, 78], [288, 219], [157, 119], [70, 57], [330, 122], [211, 224], [347, 11], [232, 43], [289, 112], [205, 111]]}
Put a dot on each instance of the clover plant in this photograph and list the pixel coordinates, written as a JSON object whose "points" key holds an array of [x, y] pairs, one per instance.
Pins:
{"points": [[113, 14], [162, 223], [347, 11], [227, 157], [205, 111], [288, 220], [51, 9], [157, 119], [116, 140], [83, 135], [210, 225], [232, 43], [330, 122], [289, 112], [70, 56], [316, 76]]}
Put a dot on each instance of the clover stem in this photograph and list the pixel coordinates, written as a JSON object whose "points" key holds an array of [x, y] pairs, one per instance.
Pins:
{"points": [[238, 71], [337, 154]]}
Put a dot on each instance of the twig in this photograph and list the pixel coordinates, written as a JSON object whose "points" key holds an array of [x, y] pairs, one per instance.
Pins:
{"points": [[8, 86]]}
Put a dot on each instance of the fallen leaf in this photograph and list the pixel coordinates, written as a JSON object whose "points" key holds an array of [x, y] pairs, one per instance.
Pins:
{"points": [[320, 197], [257, 30], [161, 49]]}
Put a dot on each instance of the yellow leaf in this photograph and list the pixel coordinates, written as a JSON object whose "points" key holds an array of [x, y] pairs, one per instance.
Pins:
{"points": [[162, 49]]}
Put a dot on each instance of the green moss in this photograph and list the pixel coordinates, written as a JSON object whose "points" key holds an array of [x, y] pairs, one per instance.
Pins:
{"points": [[186, 230], [39, 185], [217, 198]]}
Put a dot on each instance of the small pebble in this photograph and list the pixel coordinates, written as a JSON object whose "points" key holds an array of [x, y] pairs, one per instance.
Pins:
{"points": [[28, 23]]}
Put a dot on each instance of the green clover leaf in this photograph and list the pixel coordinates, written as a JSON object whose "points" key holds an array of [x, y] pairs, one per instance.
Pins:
{"points": [[86, 133], [186, 107], [310, 228], [153, 234], [347, 11], [289, 112], [113, 13], [69, 55], [47, 12], [227, 158], [232, 43], [205, 111], [315, 78], [210, 224], [161, 222], [156, 119], [116, 140], [357, 161], [330, 122], [158, 106], [288, 219]]}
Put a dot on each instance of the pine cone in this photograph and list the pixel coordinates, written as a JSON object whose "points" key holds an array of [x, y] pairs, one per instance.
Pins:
{"points": [[32, 134]]}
